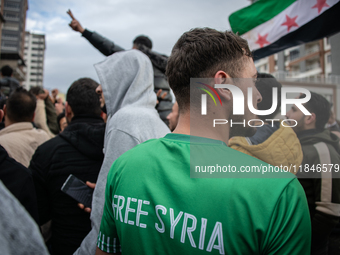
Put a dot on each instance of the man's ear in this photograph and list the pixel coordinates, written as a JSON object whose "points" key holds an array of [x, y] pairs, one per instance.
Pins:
{"points": [[222, 77], [1, 115], [310, 119], [68, 110], [5, 110]]}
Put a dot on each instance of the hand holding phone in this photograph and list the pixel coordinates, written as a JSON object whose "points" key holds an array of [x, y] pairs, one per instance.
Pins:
{"points": [[78, 190]]}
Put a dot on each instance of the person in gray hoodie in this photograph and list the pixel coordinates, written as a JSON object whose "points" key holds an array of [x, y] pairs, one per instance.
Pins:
{"points": [[19, 233], [126, 80]]}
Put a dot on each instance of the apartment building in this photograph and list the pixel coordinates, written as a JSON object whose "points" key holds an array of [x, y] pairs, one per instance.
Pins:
{"points": [[13, 35], [310, 60], [314, 66], [34, 58]]}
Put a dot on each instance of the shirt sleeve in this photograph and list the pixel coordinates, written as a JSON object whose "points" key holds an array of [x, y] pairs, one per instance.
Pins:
{"points": [[108, 240], [289, 230]]}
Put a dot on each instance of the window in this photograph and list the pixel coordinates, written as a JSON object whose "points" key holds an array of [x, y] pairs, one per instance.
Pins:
{"points": [[10, 15], [11, 26], [9, 36], [37, 55], [12, 5], [294, 54], [329, 58]]}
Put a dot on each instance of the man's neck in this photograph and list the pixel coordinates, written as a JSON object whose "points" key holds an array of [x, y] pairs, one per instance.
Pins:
{"points": [[8, 122], [202, 129]]}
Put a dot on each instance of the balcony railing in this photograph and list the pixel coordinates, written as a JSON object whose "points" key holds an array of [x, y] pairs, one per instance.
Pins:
{"points": [[311, 50], [296, 77]]}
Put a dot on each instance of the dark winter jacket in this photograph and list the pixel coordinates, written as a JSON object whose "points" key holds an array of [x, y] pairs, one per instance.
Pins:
{"points": [[78, 150], [8, 85], [19, 182], [320, 180], [158, 61]]}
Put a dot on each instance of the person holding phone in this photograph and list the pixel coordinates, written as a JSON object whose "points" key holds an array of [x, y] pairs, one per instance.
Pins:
{"points": [[78, 150]]}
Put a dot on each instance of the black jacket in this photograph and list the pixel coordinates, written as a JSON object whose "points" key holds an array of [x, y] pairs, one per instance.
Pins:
{"points": [[158, 61], [8, 85], [322, 186], [19, 182], [78, 150]]}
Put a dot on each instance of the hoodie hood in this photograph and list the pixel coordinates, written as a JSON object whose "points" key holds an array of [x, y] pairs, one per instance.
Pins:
{"points": [[86, 134], [127, 80]]}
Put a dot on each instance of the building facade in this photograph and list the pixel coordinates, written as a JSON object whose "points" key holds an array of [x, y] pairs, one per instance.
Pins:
{"points": [[314, 66], [34, 54], [13, 36]]}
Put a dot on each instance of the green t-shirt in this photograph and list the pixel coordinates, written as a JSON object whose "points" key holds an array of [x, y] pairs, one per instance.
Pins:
{"points": [[152, 206]]}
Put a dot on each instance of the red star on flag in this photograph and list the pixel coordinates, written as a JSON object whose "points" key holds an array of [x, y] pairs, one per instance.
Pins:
{"points": [[262, 40], [320, 4], [290, 22]]}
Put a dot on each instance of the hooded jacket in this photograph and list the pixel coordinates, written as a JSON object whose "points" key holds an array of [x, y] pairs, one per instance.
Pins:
{"points": [[158, 61], [127, 84], [322, 188], [78, 150], [281, 148], [19, 233]]}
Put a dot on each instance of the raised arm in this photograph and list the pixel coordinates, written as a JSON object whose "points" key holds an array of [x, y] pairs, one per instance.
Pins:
{"points": [[104, 45]]}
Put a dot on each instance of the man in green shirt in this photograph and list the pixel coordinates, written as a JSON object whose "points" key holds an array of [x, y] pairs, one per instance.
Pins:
{"points": [[154, 206]]}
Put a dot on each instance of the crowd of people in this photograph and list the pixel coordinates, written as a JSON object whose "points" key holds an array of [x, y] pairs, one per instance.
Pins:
{"points": [[134, 148]]}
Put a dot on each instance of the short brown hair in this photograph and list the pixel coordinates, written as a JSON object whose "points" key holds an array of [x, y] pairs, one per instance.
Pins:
{"points": [[200, 53]]}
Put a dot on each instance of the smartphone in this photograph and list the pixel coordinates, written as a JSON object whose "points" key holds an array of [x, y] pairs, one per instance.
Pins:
{"points": [[78, 190]]}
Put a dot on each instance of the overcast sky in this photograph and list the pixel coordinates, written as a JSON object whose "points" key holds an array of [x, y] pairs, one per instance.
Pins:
{"points": [[69, 56]]}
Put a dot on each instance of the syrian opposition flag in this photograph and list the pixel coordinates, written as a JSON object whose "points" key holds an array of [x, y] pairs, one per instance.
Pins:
{"points": [[271, 26]]}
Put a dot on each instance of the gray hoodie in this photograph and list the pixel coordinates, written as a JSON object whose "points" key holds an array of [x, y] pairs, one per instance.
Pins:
{"points": [[127, 83], [19, 233]]}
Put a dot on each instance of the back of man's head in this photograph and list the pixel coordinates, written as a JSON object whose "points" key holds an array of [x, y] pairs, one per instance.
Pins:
{"points": [[143, 40], [6, 71], [82, 97], [320, 107], [36, 90], [265, 84], [200, 53], [20, 106]]}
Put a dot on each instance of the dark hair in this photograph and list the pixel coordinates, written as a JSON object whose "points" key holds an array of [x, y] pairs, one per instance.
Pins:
{"points": [[200, 53], [21, 106], [320, 107], [265, 84], [82, 97], [36, 90], [143, 40], [6, 71]]}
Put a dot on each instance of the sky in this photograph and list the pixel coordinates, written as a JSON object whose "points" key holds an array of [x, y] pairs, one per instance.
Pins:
{"points": [[69, 56]]}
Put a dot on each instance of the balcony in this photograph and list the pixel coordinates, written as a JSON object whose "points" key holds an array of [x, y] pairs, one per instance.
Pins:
{"points": [[312, 76], [312, 50]]}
